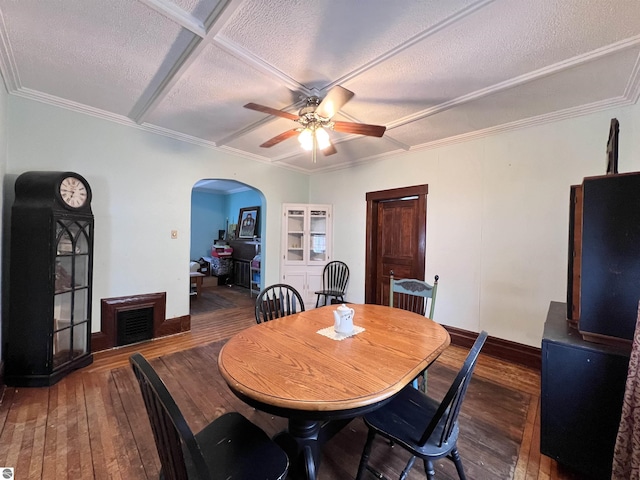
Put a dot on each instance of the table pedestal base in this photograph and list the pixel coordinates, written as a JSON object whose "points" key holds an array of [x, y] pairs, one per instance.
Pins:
{"points": [[302, 442]]}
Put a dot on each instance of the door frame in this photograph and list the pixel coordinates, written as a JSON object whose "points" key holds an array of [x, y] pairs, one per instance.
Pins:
{"points": [[373, 199]]}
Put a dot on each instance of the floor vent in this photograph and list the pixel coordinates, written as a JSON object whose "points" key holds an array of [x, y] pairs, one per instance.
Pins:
{"points": [[134, 326]]}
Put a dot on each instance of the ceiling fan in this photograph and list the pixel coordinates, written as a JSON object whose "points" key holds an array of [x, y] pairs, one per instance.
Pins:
{"points": [[314, 118]]}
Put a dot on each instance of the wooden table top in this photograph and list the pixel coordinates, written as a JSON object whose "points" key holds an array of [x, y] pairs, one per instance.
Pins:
{"points": [[286, 364]]}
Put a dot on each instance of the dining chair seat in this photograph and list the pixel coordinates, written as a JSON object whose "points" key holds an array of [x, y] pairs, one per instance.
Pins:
{"points": [[229, 448]]}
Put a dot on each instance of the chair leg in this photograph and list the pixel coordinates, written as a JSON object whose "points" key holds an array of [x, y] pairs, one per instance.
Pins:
{"points": [[405, 472], [317, 300], [429, 470], [365, 454], [455, 456]]}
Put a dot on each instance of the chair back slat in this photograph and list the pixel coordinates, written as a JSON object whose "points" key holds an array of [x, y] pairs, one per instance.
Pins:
{"points": [[447, 413], [277, 301], [170, 430], [413, 294]]}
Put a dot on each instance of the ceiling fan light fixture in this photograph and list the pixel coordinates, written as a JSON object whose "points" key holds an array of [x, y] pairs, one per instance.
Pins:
{"points": [[315, 118], [323, 138], [306, 139]]}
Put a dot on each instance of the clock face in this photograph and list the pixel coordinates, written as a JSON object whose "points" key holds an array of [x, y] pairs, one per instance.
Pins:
{"points": [[73, 192]]}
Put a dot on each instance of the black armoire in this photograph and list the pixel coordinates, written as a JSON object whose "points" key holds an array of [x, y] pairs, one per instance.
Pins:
{"points": [[587, 342], [604, 257], [51, 262]]}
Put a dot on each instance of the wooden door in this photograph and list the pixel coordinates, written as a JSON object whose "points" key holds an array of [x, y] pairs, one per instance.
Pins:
{"points": [[396, 238]]}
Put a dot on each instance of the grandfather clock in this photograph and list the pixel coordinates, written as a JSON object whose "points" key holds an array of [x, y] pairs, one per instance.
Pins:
{"points": [[51, 263]]}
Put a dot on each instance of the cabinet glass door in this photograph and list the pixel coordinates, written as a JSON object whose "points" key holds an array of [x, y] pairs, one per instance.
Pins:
{"points": [[317, 236], [71, 299], [295, 235]]}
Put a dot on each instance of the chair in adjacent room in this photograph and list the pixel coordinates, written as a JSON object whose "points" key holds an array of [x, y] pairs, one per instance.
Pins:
{"points": [[229, 447], [335, 277], [414, 295], [426, 428], [277, 301]]}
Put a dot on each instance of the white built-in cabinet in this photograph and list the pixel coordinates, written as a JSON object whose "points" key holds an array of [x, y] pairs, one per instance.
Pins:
{"points": [[306, 247]]}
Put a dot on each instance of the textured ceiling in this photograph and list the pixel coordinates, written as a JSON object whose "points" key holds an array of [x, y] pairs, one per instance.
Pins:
{"points": [[431, 71]]}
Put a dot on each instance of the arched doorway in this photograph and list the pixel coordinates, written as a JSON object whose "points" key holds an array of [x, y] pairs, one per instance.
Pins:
{"points": [[216, 209]]}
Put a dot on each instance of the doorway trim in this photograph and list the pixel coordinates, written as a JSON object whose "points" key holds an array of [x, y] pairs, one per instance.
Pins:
{"points": [[373, 199]]}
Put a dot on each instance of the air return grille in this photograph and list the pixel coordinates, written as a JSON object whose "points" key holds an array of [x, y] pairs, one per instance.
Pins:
{"points": [[134, 325]]}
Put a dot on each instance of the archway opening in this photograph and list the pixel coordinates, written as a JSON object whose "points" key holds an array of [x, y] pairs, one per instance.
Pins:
{"points": [[227, 231]]}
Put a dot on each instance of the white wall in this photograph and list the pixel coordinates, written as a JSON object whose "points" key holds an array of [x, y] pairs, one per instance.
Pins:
{"points": [[497, 217], [497, 207], [141, 185]]}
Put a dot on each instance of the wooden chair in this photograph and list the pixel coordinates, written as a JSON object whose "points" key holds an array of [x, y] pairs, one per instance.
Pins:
{"points": [[335, 277], [277, 301], [413, 295], [428, 429], [229, 447]]}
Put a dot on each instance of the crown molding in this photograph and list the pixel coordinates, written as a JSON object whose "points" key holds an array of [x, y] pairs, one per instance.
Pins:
{"points": [[632, 93], [529, 122], [71, 105], [521, 80], [261, 159], [486, 132]]}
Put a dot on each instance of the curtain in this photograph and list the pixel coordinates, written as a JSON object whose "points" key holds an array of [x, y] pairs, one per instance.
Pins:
{"points": [[626, 455]]}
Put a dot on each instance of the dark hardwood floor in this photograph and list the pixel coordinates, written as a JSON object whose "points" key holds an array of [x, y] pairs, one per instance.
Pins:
{"points": [[82, 427]]}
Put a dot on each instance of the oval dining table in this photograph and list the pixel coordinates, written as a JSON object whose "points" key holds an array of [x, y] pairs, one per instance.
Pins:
{"points": [[289, 368]]}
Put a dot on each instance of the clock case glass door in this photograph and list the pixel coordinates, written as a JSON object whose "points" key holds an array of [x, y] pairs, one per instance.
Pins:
{"points": [[71, 299]]}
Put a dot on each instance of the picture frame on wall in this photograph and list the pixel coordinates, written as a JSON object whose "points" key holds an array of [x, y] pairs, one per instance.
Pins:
{"points": [[248, 222]]}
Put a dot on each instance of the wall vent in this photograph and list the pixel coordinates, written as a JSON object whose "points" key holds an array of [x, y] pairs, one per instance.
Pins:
{"points": [[134, 326]]}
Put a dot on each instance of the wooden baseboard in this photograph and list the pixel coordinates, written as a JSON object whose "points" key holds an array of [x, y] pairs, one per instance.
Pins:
{"points": [[496, 347]]}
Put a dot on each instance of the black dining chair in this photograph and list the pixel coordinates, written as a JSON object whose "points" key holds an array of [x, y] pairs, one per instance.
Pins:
{"points": [[428, 429], [335, 277], [230, 447], [277, 301]]}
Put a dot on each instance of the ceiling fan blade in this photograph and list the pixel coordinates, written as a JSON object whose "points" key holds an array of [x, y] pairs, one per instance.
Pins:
{"points": [[334, 101], [280, 138], [330, 150], [271, 111], [359, 128]]}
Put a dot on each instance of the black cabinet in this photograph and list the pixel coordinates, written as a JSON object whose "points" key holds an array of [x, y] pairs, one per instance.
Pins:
{"points": [[582, 389], [51, 261], [604, 257]]}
